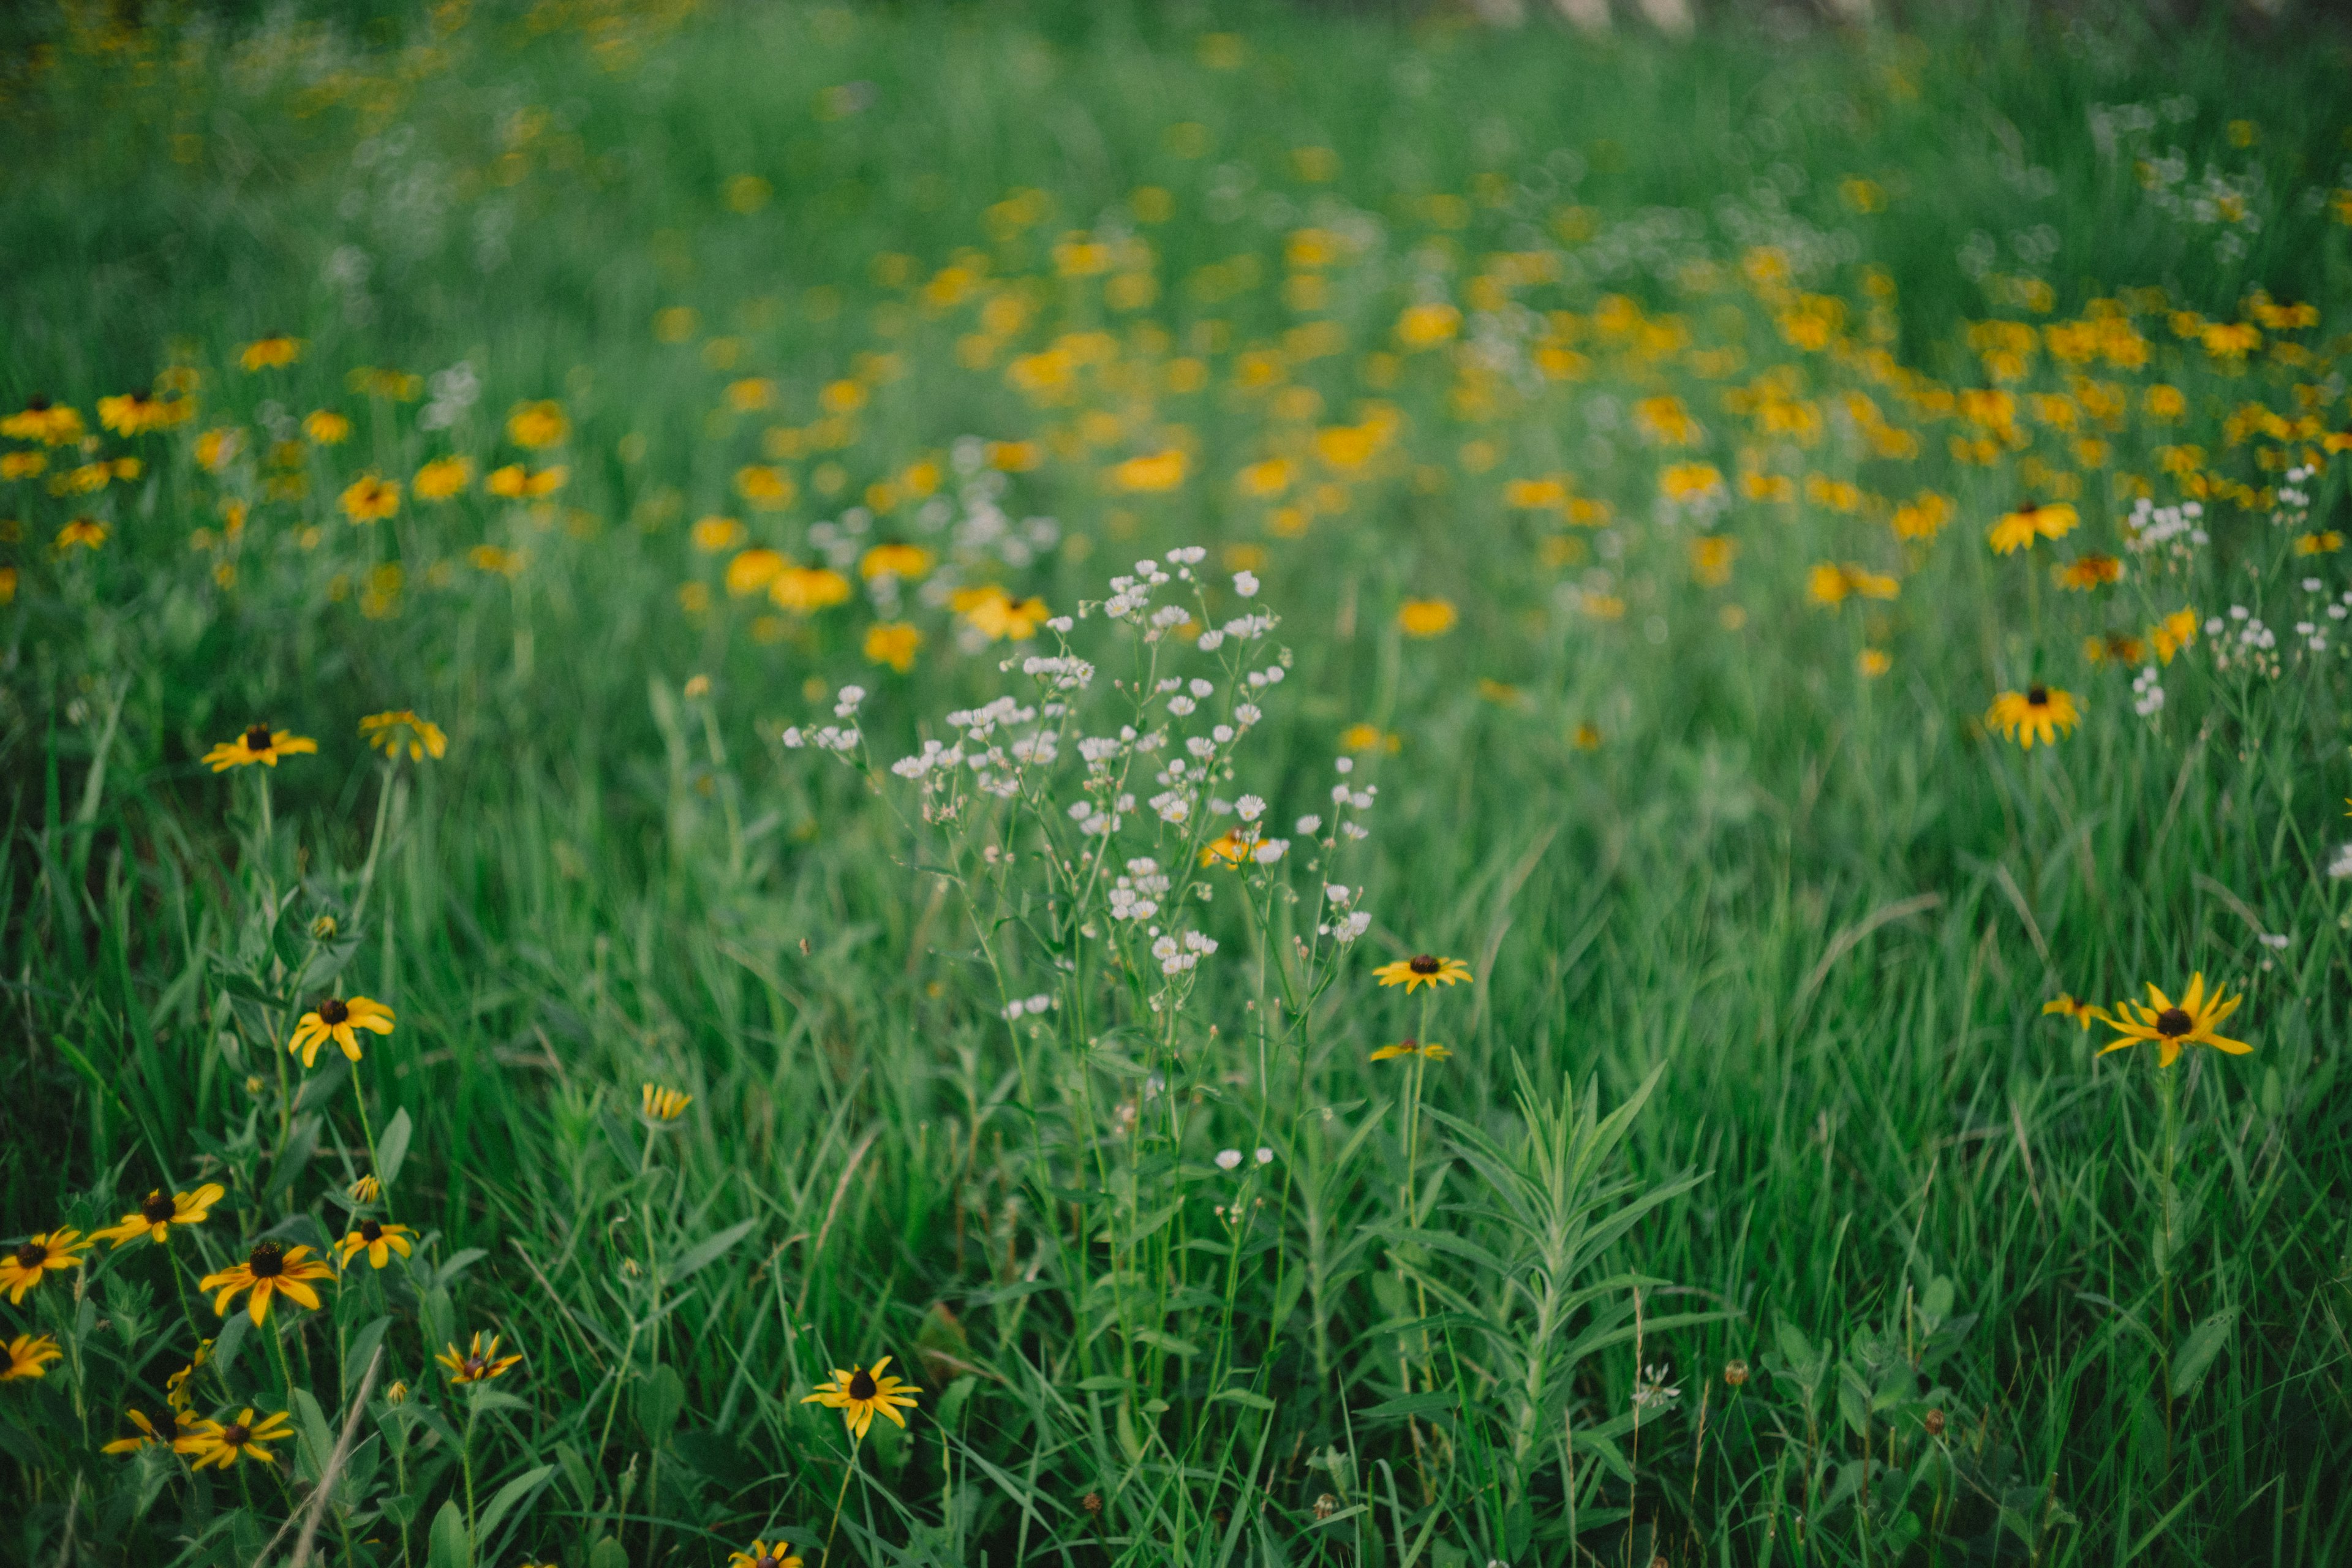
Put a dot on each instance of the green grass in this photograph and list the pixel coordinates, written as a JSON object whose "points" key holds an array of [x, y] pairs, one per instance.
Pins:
{"points": [[1752, 1070]]}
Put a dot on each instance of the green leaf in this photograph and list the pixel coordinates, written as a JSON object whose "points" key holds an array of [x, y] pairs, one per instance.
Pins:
{"points": [[1412, 1404], [391, 1148], [1244, 1396], [1168, 1343], [608, 1553], [508, 1497], [2198, 1350], [447, 1546], [575, 1470], [659, 1399], [317, 1439], [711, 1249]]}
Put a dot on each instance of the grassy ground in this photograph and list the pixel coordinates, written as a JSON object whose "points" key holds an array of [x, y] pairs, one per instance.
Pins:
{"points": [[1671, 472]]}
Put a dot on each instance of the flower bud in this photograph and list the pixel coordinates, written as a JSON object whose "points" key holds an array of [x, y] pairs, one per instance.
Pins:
{"points": [[1735, 1373]]}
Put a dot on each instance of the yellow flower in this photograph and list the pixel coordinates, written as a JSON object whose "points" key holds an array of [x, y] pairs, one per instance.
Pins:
{"points": [[24, 1265], [1232, 846], [145, 1437], [131, 413], [269, 1271], [1873, 662], [222, 1444], [159, 1211], [2018, 529], [176, 1387], [664, 1104], [1421, 969], [379, 1241], [997, 615], [764, 1554], [443, 478], [2039, 712], [2064, 1004], [907, 560], [752, 569], [1432, 1051], [258, 744], [857, 1393], [22, 465], [390, 731], [765, 486], [325, 427], [1151, 473], [533, 426], [2325, 543], [51, 424], [366, 1190], [29, 1356], [371, 500], [2087, 572], [1426, 617], [339, 1019], [2188, 1022], [86, 532], [803, 590], [268, 353], [1428, 324], [713, 534], [893, 643], [2173, 632], [479, 1363]]}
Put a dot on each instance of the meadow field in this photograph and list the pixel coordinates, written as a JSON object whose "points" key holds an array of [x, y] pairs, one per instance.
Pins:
{"points": [[1205, 784]]}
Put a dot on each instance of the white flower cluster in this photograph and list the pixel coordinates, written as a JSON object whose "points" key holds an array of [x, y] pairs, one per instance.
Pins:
{"points": [[1136, 895], [2254, 646], [1030, 1006], [1177, 954], [2291, 505], [2147, 694], [2178, 531], [839, 739]]}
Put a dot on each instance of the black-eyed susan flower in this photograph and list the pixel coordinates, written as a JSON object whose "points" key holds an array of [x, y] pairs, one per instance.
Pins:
{"points": [[29, 1356], [859, 1392], [536, 424], [1422, 969], [35, 1258], [51, 424], [517, 482], [180, 1387], [804, 590], [2018, 529], [2065, 1006], [270, 353], [2085, 572], [997, 615], [366, 1190], [907, 560], [1429, 1050], [87, 533], [399, 729], [259, 743], [370, 499], [339, 1019], [377, 1240], [660, 1104], [143, 1433], [159, 1211], [1230, 847], [1426, 617], [2038, 712], [764, 1554], [443, 478], [325, 427], [268, 1271], [893, 643], [2172, 1024], [221, 1444], [479, 1363]]}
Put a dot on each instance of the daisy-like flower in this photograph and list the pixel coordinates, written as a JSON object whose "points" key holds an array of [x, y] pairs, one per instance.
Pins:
{"points": [[370, 499], [29, 1356], [258, 744], [1428, 1051], [86, 532], [397, 730], [268, 1270], [223, 1443], [144, 1433], [379, 1241], [176, 1387], [30, 1261], [479, 1363], [339, 1019], [764, 1554], [270, 352], [2083, 1013], [159, 1211], [858, 1393], [2018, 529], [2172, 1024], [661, 1104], [2087, 572], [51, 424], [2038, 712], [1421, 969]]}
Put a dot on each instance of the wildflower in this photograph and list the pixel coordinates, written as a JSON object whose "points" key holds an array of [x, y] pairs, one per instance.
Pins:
{"points": [[268, 1270], [533, 426], [325, 427], [22, 465], [894, 644], [1735, 1373], [146, 1435], [391, 731], [2172, 1026], [479, 1363], [379, 1241], [86, 532], [907, 560], [2325, 543], [1232, 848], [1409, 1046], [7, 583], [51, 424], [1150, 474], [713, 534], [2040, 711], [258, 744], [764, 1554], [2018, 529], [222, 1444], [339, 1019], [397, 1394], [270, 353], [159, 1211], [804, 590], [2087, 572], [1651, 1388], [23, 1266], [1426, 617], [664, 1104], [1421, 969], [131, 412], [443, 478], [366, 1190], [2173, 632], [1427, 325], [858, 1393], [176, 1387], [765, 486], [2065, 1005], [1873, 662], [371, 500], [29, 1356], [752, 569], [997, 615], [517, 482]]}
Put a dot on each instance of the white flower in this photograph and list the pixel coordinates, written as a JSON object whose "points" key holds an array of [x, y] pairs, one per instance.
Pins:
{"points": [[1354, 926], [1307, 824], [1270, 850], [1245, 585], [1336, 892], [1228, 1159], [1344, 765], [1250, 807], [2341, 866], [849, 698], [1265, 1156], [1203, 689]]}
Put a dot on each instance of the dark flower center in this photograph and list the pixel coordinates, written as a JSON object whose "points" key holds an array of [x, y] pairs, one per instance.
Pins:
{"points": [[332, 1011], [37, 404], [861, 1384], [235, 1434], [155, 1209], [31, 1255], [1422, 963], [1409, 1044], [258, 738], [476, 1368], [2037, 697], [2173, 1022], [371, 1231], [267, 1262], [769, 1561]]}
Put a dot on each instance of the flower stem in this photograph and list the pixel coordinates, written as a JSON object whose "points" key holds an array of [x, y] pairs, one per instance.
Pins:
{"points": [[839, 1498]]}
